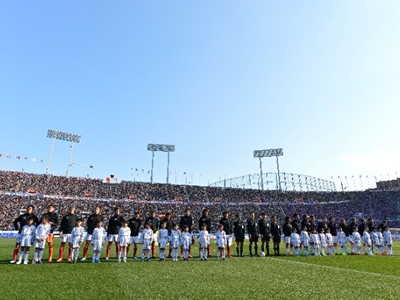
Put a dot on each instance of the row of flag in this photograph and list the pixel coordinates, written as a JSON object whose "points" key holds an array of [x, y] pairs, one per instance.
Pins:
{"points": [[20, 157]]}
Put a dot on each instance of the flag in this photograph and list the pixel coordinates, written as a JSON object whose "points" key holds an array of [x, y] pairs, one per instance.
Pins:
{"points": [[1, 155], [25, 158], [8, 156], [18, 157], [33, 159], [91, 166]]}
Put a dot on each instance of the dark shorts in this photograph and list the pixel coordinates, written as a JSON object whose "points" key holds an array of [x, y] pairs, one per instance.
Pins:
{"points": [[239, 239], [265, 237], [254, 238], [276, 239]]}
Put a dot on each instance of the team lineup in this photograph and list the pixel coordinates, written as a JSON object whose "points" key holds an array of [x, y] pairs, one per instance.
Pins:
{"points": [[300, 237]]}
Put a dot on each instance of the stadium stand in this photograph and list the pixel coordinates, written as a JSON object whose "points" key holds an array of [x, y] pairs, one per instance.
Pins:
{"points": [[18, 189]]}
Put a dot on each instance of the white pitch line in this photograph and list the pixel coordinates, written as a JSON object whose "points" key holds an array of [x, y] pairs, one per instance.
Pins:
{"points": [[335, 268]]}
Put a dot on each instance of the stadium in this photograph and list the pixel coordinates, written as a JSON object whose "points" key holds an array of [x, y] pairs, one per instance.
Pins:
{"points": [[20, 189], [199, 150]]}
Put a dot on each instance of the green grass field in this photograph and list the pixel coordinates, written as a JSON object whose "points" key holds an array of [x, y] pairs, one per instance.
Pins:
{"points": [[334, 277]]}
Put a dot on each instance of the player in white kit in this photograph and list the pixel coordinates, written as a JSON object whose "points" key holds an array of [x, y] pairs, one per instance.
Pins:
{"points": [[322, 240], [41, 234], [305, 239], [387, 240], [26, 238], [124, 236], [295, 241], [98, 239], [75, 239], [342, 240], [380, 241], [174, 239], [162, 240], [220, 238], [147, 240], [329, 241], [204, 241], [186, 241], [315, 242], [367, 242], [356, 242]]}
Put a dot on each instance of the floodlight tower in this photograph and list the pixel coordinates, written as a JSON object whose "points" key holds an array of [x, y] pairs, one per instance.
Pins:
{"points": [[162, 148], [64, 136], [269, 153]]}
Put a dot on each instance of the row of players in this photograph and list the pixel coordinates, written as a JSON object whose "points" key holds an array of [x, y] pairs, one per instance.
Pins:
{"points": [[255, 229], [30, 234]]}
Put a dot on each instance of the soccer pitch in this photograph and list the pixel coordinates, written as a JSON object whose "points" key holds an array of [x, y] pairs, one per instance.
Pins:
{"points": [[331, 277]]}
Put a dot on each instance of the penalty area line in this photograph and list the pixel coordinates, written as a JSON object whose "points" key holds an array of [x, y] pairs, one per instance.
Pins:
{"points": [[334, 268]]}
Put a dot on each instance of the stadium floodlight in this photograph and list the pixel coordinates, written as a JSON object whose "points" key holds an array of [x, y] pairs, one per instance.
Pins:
{"points": [[63, 136], [269, 153], [162, 148]]}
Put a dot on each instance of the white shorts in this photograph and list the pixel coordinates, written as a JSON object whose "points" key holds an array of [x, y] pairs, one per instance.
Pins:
{"points": [[174, 244], [97, 246], [304, 243], [65, 237], [146, 245], [124, 241], [41, 244], [287, 239], [134, 240], [203, 243], [112, 237], [26, 241], [88, 237], [229, 240], [162, 243], [74, 242], [295, 244], [220, 243]]}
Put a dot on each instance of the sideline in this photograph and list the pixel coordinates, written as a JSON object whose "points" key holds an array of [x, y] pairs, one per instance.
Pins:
{"points": [[334, 268]]}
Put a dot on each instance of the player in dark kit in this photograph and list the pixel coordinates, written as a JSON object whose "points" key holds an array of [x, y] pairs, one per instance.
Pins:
{"points": [[287, 232], [206, 220], [252, 230], [19, 223], [228, 230], [91, 225], [52, 216], [296, 223], [153, 221], [276, 233], [169, 225], [186, 220], [114, 225], [67, 224], [134, 224], [239, 231], [265, 232], [333, 229]]}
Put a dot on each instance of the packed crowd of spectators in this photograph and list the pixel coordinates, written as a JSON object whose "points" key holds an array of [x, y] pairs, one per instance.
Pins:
{"points": [[18, 189]]}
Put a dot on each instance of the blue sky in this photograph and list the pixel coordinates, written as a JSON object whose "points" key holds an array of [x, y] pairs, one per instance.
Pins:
{"points": [[218, 79]]}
